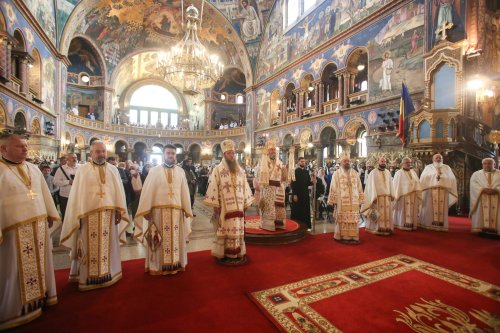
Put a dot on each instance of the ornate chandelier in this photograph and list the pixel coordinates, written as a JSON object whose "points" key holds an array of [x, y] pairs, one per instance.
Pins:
{"points": [[188, 65]]}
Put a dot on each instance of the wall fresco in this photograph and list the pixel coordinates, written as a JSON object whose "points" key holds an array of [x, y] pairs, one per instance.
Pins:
{"points": [[443, 11], [44, 12]]}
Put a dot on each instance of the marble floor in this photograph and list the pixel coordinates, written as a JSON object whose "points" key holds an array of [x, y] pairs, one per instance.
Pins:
{"points": [[199, 240]]}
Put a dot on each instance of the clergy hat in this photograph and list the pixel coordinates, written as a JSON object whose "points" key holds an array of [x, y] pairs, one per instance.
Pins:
{"points": [[227, 145], [344, 156], [271, 144]]}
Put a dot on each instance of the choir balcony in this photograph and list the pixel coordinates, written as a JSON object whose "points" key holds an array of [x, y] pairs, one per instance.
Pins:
{"points": [[330, 106], [358, 98], [152, 132]]}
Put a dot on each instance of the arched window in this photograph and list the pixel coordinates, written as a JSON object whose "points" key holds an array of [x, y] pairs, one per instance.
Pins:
{"points": [[444, 87], [239, 99], [339, 150], [440, 129], [451, 128], [154, 105], [424, 130], [294, 10], [361, 142]]}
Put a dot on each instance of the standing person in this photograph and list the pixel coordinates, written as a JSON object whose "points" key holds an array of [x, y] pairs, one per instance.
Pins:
{"points": [[269, 183], [439, 192], [191, 179], [379, 194], [301, 207], [62, 161], [50, 181], [63, 178], [95, 220], [229, 194], [203, 180], [407, 197], [27, 211], [166, 209], [485, 198], [346, 194]]}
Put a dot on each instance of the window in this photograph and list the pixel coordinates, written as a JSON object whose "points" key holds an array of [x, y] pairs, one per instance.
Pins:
{"points": [[152, 103], [424, 130], [295, 10], [339, 150], [444, 87], [239, 99], [362, 148]]}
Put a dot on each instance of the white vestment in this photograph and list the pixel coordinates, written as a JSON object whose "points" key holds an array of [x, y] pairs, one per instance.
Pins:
{"points": [[26, 268], [385, 81], [407, 199], [439, 192], [346, 192], [484, 208], [89, 228], [379, 194], [251, 24], [164, 196], [231, 193]]}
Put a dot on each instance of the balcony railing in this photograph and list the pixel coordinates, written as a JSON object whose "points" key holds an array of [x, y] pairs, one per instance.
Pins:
{"points": [[330, 106], [122, 129], [358, 98]]}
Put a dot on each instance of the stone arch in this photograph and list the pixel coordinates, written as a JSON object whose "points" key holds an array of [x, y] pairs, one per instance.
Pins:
{"points": [[35, 127], [3, 115], [3, 25], [80, 141], [20, 119], [20, 40], [352, 126], [35, 73], [288, 140], [424, 130], [356, 58], [97, 52], [217, 152], [330, 81], [275, 107], [92, 139], [121, 147], [194, 150]]}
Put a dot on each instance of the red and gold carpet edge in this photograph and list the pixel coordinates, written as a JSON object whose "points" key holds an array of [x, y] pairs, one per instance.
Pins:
{"points": [[290, 308]]}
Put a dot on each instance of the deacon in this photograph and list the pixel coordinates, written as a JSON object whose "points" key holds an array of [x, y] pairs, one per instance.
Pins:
{"points": [[27, 211], [96, 219], [407, 197], [379, 193], [269, 184], [229, 194], [301, 208], [346, 195], [485, 198], [166, 208], [439, 192]]}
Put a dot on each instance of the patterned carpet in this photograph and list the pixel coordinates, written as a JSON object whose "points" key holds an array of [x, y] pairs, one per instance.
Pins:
{"points": [[315, 304]]}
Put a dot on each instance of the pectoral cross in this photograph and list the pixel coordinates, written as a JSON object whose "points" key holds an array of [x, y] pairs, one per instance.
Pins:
{"points": [[170, 194], [101, 193], [442, 30], [31, 194]]}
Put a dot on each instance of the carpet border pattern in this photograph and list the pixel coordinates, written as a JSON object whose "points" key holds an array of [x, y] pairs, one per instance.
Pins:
{"points": [[287, 306]]}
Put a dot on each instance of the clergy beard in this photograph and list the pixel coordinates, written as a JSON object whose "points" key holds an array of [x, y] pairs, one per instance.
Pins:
{"points": [[381, 167], [233, 166], [438, 164], [100, 161], [169, 162], [272, 158]]}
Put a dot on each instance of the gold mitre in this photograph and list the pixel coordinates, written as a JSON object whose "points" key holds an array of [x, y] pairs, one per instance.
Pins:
{"points": [[227, 145], [344, 156], [271, 144]]}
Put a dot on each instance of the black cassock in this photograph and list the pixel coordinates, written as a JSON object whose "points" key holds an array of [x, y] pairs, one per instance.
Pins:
{"points": [[301, 210]]}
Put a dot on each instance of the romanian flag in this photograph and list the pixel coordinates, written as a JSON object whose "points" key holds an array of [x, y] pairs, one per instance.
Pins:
{"points": [[405, 107]]}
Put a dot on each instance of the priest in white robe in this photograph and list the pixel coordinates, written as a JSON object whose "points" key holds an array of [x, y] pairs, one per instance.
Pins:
{"points": [[485, 198], [270, 178], [439, 192], [230, 195], [27, 212], [163, 218], [379, 195], [346, 195], [95, 222], [407, 197]]}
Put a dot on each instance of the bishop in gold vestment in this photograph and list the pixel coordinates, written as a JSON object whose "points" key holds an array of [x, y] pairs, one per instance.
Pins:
{"points": [[346, 194], [230, 195], [407, 197]]}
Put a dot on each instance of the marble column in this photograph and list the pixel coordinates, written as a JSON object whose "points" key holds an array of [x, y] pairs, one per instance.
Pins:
{"points": [[347, 89], [321, 97], [340, 78], [319, 154], [23, 73]]}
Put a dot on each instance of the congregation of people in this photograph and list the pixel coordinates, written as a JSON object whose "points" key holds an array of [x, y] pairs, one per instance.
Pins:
{"points": [[103, 202]]}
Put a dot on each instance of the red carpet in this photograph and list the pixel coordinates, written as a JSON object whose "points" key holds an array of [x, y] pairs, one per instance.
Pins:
{"points": [[252, 226], [213, 298]]}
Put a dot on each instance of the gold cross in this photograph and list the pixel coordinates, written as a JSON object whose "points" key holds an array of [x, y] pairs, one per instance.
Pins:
{"points": [[170, 194], [442, 30], [31, 194], [101, 194]]}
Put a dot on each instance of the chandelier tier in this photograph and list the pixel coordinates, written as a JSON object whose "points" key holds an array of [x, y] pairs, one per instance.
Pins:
{"points": [[188, 65]]}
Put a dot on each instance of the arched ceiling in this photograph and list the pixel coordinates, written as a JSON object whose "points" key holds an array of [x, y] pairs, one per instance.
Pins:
{"points": [[128, 33]]}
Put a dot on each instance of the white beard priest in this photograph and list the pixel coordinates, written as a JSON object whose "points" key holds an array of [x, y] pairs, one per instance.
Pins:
{"points": [[408, 197], [27, 211], [95, 220], [439, 192], [485, 198], [229, 194], [163, 217], [379, 194]]}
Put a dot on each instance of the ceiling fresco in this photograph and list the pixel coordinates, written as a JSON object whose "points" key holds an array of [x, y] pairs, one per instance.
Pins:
{"points": [[120, 28]]}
